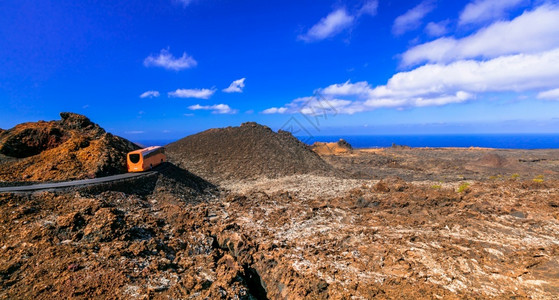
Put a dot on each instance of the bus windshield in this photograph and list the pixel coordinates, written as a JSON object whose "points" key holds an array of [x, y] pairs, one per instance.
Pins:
{"points": [[134, 158]]}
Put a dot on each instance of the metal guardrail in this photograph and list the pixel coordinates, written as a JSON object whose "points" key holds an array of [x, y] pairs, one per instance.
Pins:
{"points": [[74, 183]]}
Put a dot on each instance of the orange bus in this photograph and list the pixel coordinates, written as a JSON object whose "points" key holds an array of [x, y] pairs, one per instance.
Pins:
{"points": [[145, 159]]}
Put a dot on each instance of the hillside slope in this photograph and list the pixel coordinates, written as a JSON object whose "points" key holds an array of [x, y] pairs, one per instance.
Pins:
{"points": [[246, 152]]}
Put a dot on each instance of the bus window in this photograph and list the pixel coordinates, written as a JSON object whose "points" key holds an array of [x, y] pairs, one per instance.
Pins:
{"points": [[134, 158]]}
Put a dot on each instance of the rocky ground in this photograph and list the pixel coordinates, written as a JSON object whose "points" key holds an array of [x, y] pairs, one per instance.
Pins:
{"points": [[389, 239], [447, 164], [394, 223]]}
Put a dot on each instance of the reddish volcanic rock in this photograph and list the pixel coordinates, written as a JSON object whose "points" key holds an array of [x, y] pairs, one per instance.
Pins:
{"points": [[331, 148], [71, 148]]}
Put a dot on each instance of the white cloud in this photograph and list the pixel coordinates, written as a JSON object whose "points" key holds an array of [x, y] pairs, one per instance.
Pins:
{"points": [[435, 84], [216, 109], [134, 132], [275, 110], [329, 26], [347, 89], [532, 32], [338, 21], [318, 106], [369, 8], [412, 18], [236, 86], [515, 73], [166, 60], [437, 29], [192, 93], [487, 10], [549, 95], [150, 94]]}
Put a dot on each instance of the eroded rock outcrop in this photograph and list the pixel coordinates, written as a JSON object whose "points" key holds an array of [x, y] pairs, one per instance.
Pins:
{"points": [[338, 147], [70, 148]]}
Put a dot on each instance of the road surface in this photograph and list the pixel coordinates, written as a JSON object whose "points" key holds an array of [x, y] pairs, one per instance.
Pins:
{"points": [[66, 184]]}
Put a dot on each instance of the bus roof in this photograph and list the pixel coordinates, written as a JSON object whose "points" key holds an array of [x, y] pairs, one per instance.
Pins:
{"points": [[147, 150]]}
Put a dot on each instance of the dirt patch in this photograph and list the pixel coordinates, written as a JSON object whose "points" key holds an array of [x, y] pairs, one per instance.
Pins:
{"points": [[246, 152]]}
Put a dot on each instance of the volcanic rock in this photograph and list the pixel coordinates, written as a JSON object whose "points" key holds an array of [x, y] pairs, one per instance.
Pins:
{"points": [[246, 152], [492, 160], [331, 148], [71, 148]]}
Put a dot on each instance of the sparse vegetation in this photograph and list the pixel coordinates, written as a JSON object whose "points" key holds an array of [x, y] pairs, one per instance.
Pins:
{"points": [[538, 179], [514, 176], [436, 186], [463, 187]]}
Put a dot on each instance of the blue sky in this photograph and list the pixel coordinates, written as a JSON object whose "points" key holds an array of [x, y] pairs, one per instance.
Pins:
{"points": [[168, 68]]}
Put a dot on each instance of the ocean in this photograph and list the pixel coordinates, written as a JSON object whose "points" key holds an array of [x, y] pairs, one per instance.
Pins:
{"points": [[500, 141]]}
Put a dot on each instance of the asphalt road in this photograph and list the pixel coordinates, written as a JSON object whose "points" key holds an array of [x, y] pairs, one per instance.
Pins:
{"points": [[66, 184]]}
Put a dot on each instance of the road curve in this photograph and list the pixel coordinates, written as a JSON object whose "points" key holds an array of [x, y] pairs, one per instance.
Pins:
{"points": [[66, 184]]}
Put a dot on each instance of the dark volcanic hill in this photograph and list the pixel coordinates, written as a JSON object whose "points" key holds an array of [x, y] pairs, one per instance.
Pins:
{"points": [[71, 148], [246, 152]]}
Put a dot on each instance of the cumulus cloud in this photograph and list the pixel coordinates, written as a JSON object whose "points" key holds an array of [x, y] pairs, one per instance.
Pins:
{"points": [[515, 73], [150, 94], [216, 109], [329, 26], [486, 10], [315, 106], [236, 86], [166, 60], [436, 84], [347, 89], [532, 32], [549, 95], [412, 18], [437, 29], [192, 93]]}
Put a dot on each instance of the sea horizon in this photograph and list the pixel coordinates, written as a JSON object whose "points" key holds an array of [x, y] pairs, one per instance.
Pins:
{"points": [[483, 140]]}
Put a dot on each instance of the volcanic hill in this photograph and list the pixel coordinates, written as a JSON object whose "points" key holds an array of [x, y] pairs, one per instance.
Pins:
{"points": [[247, 152], [71, 148]]}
